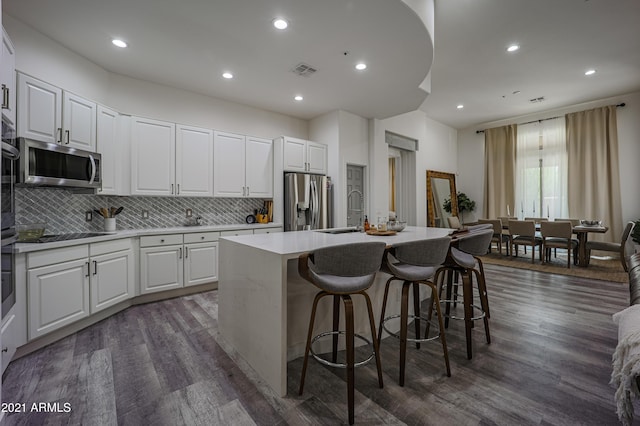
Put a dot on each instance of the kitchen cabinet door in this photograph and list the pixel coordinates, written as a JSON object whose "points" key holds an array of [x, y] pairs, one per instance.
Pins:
{"points": [[78, 122], [39, 110], [112, 279], [259, 168], [58, 295], [108, 145], [316, 158], [229, 165], [9, 338], [160, 268], [200, 263], [295, 155], [194, 162], [153, 145], [8, 79]]}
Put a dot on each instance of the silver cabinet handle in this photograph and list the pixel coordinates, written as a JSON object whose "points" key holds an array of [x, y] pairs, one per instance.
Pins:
{"points": [[244, 191], [180, 255], [248, 192], [59, 135], [67, 133], [95, 267], [171, 189], [186, 252], [178, 189], [5, 97], [162, 240], [88, 269]]}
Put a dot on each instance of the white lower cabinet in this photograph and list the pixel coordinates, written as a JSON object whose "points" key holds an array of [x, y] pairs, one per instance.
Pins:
{"points": [[9, 338], [67, 284], [173, 261]]}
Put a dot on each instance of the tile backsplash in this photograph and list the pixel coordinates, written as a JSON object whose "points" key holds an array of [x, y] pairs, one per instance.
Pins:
{"points": [[64, 211]]}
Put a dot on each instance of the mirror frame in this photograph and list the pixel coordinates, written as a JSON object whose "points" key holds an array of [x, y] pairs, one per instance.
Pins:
{"points": [[432, 174]]}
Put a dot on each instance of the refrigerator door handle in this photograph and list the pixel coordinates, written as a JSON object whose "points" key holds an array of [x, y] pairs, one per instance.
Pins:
{"points": [[316, 205]]}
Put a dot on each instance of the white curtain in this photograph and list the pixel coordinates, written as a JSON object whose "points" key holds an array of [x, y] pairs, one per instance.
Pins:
{"points": [[541, 169]]}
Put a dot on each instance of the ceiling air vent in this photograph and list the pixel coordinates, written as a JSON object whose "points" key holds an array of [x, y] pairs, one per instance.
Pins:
{"points": [[303, 70], [536, 100]]}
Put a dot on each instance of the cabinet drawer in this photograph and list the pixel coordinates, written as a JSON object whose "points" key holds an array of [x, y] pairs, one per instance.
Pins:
{"points": [[201, 237], [96, 249], [54, 256], [160, 240], [236, 232], [267, 230]]}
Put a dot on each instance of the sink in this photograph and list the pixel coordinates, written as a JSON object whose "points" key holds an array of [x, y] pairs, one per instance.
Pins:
{"points": [[338, 230]]}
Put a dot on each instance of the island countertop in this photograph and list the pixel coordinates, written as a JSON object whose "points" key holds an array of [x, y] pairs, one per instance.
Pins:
{"points": [[264, 305], [293, 243]]}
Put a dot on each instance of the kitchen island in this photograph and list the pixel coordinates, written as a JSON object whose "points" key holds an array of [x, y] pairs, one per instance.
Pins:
{"points": [[264, 305]]}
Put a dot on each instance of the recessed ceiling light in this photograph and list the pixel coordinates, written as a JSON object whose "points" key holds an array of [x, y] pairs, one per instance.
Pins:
{"points": [[460, 106], [361, 66], [119, 43], [590, 72], [513, 48], [227, 75], [280, 23], [298, 98]]}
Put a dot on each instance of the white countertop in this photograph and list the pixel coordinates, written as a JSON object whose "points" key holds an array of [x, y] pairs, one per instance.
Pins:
{"points": [[290, 243], [130, 233]]}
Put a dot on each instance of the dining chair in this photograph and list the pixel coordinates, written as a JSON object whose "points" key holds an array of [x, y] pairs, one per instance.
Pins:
{"points": [[537, 219], [574, 222], [615, 247], [523, 232], [342, 271], [558, 234], [498, 236]]}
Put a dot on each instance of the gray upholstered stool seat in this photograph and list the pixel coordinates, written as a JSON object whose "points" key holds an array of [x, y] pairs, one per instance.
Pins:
{"points": [[462, 260], [341, 271], [415, 263]]}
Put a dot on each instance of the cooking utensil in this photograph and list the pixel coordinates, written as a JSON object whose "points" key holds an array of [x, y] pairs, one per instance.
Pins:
{"points": [[104, 212], [98, 212], [118, 210]]}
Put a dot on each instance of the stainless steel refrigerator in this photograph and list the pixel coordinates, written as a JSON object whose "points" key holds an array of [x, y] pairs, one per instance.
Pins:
{"points": [[307, 202]]}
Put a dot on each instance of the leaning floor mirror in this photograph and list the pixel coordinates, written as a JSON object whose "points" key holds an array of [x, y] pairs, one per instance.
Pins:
{"points": [[441, 196]]}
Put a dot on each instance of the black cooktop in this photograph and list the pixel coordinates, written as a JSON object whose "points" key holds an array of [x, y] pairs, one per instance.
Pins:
{"points": [[65, 237]]}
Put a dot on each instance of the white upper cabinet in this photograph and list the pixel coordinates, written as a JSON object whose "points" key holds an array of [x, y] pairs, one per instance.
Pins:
{"points": [[153, 145], [8, 79], [304, 156], [48, 114], [194, 161], [78, 122], [39, 110], [259, 167], [108, 145], [243, 166]]}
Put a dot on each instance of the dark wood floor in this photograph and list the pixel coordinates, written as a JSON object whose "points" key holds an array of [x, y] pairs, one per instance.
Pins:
{"points": [[164, 364]]}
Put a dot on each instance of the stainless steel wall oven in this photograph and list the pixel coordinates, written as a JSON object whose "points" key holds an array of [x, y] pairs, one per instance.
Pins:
{"points": [[10, 155]]}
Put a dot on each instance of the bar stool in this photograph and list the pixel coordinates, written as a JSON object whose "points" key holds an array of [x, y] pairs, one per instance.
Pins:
{"points": [[462, 259], [341, 271], [414, 263]]}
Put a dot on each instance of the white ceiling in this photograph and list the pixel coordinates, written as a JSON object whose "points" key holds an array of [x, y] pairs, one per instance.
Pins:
{"points": [[189, 43]]}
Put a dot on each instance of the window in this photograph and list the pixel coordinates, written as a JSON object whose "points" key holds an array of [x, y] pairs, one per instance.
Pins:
{"points": [[541, 169]]}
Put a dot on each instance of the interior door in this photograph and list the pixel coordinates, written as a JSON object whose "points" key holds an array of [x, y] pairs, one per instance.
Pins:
{"points": [[355, 195]]}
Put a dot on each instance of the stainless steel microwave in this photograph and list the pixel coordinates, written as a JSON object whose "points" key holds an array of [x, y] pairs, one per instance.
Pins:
{"points": [[49, 164]]}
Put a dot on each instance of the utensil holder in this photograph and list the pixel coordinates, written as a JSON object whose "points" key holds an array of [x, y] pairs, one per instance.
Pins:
{"points": [[109, 224]]}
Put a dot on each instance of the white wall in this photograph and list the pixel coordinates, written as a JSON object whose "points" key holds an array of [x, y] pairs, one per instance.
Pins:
{"points": [[43, 58], [437, 150], [346, 135], [471, 151]]}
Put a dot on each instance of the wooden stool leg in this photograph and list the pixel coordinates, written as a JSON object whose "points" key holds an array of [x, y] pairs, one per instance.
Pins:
{"points": [[484, 303], [484, 287], [384, 307], [348, 315], [443, 339], [319, 296], [467, 294], [376, 342], [448, 297], [416, 311], [404, 318], [336, 324]]}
